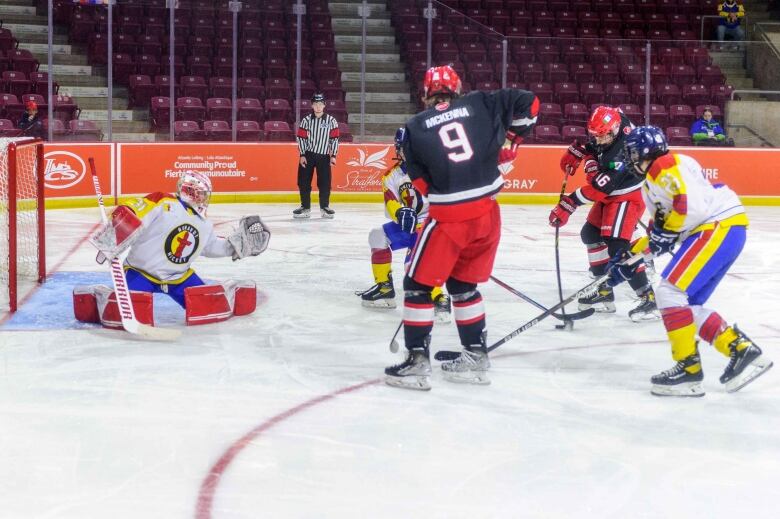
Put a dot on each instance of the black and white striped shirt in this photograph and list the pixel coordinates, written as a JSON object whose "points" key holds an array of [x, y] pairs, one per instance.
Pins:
{"points": [[318, 135]]}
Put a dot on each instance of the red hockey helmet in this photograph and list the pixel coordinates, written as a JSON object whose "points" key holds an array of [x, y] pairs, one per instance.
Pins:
{"points": [[603, 121], [441, 80]]}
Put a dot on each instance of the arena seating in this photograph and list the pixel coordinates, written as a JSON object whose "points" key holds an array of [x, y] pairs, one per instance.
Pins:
{"points": [[203, 60], [572, 53]]}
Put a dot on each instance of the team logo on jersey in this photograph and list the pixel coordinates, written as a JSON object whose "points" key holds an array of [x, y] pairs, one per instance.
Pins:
{"points": [[181, 243], [410, 197], [63, 169]]}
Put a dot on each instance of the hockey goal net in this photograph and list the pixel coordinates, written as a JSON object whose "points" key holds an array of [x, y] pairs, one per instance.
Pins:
{"points": [[22, 239]]}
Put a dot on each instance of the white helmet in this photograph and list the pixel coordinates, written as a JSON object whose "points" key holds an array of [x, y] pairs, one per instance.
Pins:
{"points": [[194, 189]]}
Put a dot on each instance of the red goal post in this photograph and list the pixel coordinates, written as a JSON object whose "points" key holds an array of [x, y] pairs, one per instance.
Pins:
{"points": [[22, 218]]}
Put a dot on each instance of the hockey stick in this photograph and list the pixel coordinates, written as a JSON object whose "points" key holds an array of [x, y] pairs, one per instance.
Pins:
{"points": [[452, 355], [573, 317], [125, 304], [567, 323], [394, 343]]}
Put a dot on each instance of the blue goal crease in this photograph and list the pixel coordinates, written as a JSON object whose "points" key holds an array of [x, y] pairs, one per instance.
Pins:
{"points": [[51, 306]]}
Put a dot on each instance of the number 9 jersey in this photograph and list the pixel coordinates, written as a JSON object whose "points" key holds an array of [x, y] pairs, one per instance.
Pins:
{"points": [[452, 149]]}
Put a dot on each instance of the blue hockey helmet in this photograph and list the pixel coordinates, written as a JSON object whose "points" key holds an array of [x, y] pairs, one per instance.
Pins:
{"points": [[644, 143]]}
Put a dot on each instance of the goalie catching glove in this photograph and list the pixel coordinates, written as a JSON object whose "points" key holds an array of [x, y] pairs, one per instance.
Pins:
{"points": [[250, 238]]}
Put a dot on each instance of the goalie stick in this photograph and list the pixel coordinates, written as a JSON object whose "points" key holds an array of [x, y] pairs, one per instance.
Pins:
{"points": [[562, 317], [129, 322], [452, 355]]}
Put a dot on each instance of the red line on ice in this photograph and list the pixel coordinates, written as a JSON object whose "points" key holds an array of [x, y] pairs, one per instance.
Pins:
{"points": [[208, 488]]}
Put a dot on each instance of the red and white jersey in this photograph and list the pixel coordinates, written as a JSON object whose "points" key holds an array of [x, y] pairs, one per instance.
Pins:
{"points": [[172, 237], [677, 191], [399, 192]]}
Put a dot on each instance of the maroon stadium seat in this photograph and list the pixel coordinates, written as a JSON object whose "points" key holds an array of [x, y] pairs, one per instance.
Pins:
{"points": [[187, 131], [658, 115], [8, 129], [547, 134], [570, 132], [550, 114], [193, 86], [248, 131], [190, 109], [84, 131], [218, 109], [278, 131], [695, 95], [217, 131], [576, 113], [678, 136], [249, 109], [681, 115], [140, 91], [566, 92]]}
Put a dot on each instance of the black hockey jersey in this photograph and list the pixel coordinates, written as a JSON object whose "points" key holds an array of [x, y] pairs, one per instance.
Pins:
{"points": [[452, 149], [614, 178]]}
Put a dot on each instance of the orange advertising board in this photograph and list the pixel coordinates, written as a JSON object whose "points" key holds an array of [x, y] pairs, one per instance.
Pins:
{"points": [[272, 168], [67, 173], [245, 167]]}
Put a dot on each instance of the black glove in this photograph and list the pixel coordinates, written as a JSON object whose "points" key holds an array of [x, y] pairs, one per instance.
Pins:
{"points": [[619, 273], [661, 240], [407, 219]]}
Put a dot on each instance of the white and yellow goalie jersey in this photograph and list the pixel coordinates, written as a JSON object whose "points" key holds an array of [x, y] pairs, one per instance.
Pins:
{"points": [[677, 192], [399, 192], [172, 237]]}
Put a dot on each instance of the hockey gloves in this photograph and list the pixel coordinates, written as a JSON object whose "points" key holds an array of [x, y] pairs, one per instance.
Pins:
{"points": [[591, 169], [561, 212], [572, 157], [619, 273], [250, 238], [407, 219], [508, 152], [661, 240]]}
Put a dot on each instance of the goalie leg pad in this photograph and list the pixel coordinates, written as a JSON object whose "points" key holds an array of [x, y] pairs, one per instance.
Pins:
{"points": [[97, 304], [214, 303]]}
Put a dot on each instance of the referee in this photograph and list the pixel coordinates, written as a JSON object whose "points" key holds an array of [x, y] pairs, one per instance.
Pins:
{"points": [[318, 143]]}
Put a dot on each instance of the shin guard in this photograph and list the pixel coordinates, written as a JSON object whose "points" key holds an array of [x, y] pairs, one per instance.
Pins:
{"points": [[97, 304], [214, 303]]}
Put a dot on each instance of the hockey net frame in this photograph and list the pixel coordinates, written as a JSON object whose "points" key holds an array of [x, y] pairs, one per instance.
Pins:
{"points": [[21, 201]]}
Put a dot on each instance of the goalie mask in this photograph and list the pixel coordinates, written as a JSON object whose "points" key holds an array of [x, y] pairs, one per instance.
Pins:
{"points": [[194, 189]]}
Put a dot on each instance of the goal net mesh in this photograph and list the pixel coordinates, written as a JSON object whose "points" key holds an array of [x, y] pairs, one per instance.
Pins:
{"points": [[26, 202]]}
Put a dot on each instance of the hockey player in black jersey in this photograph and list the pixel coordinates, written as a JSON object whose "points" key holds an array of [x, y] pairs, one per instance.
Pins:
{"points": [[452, 152], [617, 207]]}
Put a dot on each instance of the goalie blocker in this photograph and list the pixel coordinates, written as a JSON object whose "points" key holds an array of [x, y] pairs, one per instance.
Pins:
{"points": [[204, 304]]}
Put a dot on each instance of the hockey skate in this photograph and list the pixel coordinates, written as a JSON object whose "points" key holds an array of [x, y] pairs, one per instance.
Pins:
{"points": [[470, 367], [327, 212], [603, 300], [381, 295], [442, 308], [746, 364], [679, 381], [302, 212], [646, 310], [413, 373]]}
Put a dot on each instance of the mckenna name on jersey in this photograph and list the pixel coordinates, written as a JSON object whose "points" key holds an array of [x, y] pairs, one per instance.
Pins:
{"points": [[457, 113]]}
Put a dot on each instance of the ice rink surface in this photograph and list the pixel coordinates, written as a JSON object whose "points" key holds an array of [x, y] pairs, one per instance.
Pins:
{"points": [[282, 414]]}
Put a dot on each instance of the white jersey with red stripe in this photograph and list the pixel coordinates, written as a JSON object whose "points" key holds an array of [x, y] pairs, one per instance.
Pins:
{"points": [[398, 192], [680, 195], [173, 235]]}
